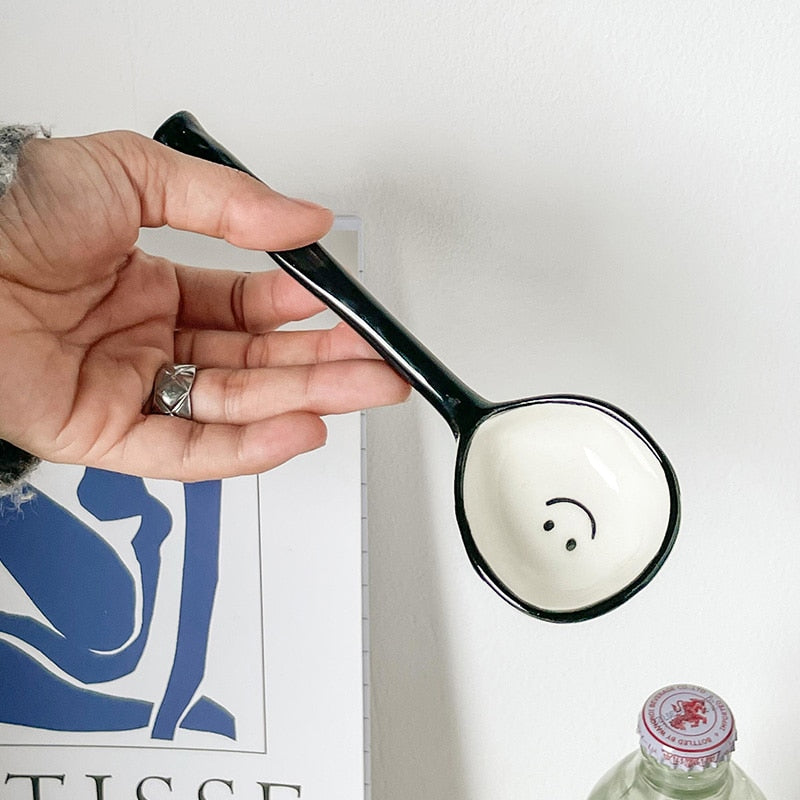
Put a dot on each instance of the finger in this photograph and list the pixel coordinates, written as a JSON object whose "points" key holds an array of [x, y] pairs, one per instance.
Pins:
{"points": [[194, 195], [243, 396], [255, 302], [179, 449], [276, 349]]}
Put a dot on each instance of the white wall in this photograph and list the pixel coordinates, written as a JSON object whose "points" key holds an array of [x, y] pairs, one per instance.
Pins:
{"points": [[593, 197]]}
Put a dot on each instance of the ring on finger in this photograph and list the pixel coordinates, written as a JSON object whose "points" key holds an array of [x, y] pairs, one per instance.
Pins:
{"points": [[172, 390]]}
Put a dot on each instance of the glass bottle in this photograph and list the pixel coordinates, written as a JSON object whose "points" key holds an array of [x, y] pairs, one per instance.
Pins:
{"points": [[687, 735]]}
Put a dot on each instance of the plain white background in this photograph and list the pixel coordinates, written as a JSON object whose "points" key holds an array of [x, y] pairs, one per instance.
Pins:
{"points": [[592, 197]]}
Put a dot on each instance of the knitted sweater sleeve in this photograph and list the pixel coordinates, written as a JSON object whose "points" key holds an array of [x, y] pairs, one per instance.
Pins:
{"points": [[15, 464]]}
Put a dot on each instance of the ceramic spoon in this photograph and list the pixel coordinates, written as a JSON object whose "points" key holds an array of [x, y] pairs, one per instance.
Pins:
{"points": [[566, 506]]}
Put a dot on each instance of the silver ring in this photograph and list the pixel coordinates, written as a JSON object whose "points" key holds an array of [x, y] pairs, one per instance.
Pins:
{"points": [[172, 390]]}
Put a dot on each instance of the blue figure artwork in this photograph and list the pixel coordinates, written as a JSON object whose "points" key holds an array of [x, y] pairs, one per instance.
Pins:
{"points": [[88, 596]]}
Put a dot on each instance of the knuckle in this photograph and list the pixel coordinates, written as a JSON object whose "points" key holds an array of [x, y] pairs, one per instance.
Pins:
{"points": [[325, 345], [257, 352], [233, 388], [237, 301]]}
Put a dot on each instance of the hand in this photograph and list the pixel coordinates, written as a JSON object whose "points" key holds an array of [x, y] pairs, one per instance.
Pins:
{"points": [[87, 319]]}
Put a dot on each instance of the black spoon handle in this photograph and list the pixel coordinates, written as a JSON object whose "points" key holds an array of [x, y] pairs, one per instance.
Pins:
{"points": [[317, 270]]}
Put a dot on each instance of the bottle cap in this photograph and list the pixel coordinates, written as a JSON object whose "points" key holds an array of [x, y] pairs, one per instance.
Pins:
{"points": [[687, 728]]}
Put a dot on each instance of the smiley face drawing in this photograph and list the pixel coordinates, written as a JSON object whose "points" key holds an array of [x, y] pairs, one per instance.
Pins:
{"points": [[566, 503], [549, 525]]}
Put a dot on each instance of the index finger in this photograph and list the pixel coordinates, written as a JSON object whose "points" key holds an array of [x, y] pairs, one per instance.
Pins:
{"points": [[191, 194]]}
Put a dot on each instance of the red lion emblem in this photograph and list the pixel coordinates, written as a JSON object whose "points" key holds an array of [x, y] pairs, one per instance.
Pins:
{"points": [[688, 713]]}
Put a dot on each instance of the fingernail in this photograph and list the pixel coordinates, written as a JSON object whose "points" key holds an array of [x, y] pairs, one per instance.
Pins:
{"points": [[309, 204]]}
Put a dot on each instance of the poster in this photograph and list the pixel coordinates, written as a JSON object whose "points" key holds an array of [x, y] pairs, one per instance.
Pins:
{"points": [[161, 640]]}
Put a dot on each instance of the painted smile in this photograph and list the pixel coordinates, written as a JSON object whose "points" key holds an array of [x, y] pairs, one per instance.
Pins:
{"points": [[571, 544]]}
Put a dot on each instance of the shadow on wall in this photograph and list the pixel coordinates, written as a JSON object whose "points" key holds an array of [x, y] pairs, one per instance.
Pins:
{"points": [[416, 746], [415, 220]]}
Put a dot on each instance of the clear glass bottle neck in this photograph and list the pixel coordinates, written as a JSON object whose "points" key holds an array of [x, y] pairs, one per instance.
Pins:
{"points": [[676, 783]]}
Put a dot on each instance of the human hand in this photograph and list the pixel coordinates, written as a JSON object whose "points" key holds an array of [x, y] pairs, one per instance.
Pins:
{"points": [[87, 318]]}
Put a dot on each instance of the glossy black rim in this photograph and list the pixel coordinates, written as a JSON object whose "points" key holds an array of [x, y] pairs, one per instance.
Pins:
{"points": [[480, 564]]}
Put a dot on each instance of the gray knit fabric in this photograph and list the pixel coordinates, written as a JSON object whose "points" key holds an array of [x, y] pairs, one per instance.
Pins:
{"points": [[15, 464], [12, 137]]}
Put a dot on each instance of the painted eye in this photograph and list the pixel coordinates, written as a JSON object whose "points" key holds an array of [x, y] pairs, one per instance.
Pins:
{"points": [[571, 543]]}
